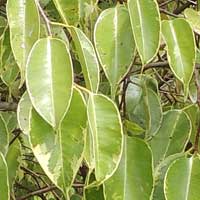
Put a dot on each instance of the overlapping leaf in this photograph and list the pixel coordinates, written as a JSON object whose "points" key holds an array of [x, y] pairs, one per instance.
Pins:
{"points": [[71, 11], [133, 179], [143, 104], [4, 189], [60, 153], [106, 129], [172, 136], [23, 113], [183, 180], [181, 53], [114, 43], [87, 58], [49, 79], [145, 21], [24, 23]]}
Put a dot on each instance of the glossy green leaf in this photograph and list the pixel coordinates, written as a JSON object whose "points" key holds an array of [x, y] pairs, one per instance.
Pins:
{"points": [[133, 179], [24, 23], [23, 113], [143, 104], [13, 161], [70, 11], [159, 175], [49, 79], [87, 58], [181, 53], [145, 21], [193, 17], [106, 127], [4, 189], [172, 136], [182, 181], [60, 153], [4, 137], [114, 44]]}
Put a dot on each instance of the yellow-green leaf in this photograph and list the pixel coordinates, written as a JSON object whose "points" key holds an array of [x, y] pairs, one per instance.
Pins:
{"points": [[145, 21], [114, 43], [24, 23], [87, 58], [49, 79], [106, 130], [181, 53]]}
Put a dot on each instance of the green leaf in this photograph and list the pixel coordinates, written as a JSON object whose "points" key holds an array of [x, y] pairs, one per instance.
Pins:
{"points": [[182, 181], [172, 136], [24, 23], [13, 162], [70, 11], [133, 179], [4, 189], [23, 113], [193, 17], [114, 44], [60, 153], [94, 193], [49, 79], [143, 104], [4, 137], [181, 53], [133, 128], [9, 67], [145, 21], [159, 175], [106, 127], [87, 58], [3, 25]]}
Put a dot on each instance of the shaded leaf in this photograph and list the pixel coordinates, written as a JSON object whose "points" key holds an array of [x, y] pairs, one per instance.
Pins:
{"points": [[4, 189], [133, 179], [4, 137], [182, 180], [172, 136]]}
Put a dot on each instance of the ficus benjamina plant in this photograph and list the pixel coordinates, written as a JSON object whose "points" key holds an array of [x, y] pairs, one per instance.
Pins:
{"points": [[99, 100]]}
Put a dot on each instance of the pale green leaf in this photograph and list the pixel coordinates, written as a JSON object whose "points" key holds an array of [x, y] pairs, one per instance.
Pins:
{"points": [[193, 17], [23, 19], [87, 58], [23, 113], [172, 136], [159, 175], [71, 10], [4, 189], [133, 179], [60, 153], [181, 53], [49, 79], [145, 21], [182, 181], [114, 43], [4, 137], [106, 127]]}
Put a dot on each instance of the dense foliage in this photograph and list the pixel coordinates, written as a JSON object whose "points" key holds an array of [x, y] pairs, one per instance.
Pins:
{"points": [[99, 100]]}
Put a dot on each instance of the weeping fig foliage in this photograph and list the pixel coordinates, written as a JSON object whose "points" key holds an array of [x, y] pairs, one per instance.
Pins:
{"points": [[99, 100]]}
